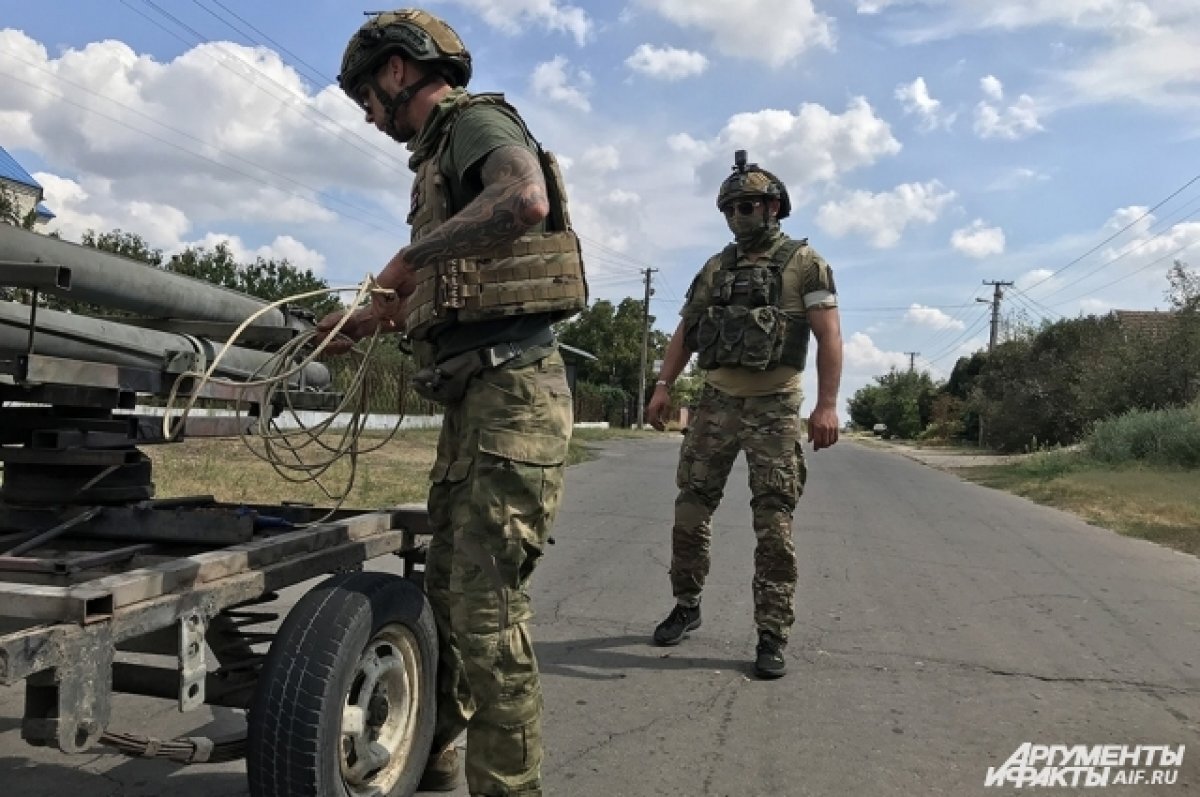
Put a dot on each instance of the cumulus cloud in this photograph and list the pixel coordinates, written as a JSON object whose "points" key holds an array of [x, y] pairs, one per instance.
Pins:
{"points": [[284, 247], [978, 240], [992, 88], [601, 159], [666, 63], [917, 101], [932, 318], [809, 146], [513, 16], [1017, 178], [552, 80], [992, 120], [884, 217], [763, 30], [861, 353]]}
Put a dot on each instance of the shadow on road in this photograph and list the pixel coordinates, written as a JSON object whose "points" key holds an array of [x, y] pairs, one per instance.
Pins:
{"points": [[607, 658], [128, 779]]}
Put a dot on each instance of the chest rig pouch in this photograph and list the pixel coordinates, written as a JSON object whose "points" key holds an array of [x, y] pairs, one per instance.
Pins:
{"points": [[743, 326], [540, 272]]}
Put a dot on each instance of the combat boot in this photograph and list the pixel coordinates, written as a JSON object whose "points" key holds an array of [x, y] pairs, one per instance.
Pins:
{"points": [[672, 630], [769, 661], [441, 771]]}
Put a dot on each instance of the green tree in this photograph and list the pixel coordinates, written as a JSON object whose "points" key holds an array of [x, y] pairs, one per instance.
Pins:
{"points": [[125, 244], [903, 400], [266, 279], [614, 335]]}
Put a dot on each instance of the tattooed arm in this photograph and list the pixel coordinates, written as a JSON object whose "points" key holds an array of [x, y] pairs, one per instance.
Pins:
{"points": [[513, 200]]}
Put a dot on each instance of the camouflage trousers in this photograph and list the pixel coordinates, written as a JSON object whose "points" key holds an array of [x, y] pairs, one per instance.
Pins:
{"points": [[767, 429], [497, 483]]}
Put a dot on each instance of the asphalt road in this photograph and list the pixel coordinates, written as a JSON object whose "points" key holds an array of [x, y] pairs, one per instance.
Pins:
{"points": [[940, 626]]}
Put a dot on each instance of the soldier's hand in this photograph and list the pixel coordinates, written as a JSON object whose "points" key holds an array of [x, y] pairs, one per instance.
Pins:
{"points": [[389, 310], [659, 407], [823, 428], [345, 339]]}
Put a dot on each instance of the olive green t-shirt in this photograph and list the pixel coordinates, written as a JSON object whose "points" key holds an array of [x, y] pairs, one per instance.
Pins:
{"points": [[478, 131], [807, 284]]}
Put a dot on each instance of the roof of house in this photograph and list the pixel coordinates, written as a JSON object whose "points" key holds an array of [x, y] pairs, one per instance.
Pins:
{"points": [[11, 170], [1153, 322]]}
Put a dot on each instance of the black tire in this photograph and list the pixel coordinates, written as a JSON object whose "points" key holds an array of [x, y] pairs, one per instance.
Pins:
{"points": [[316, 709]]}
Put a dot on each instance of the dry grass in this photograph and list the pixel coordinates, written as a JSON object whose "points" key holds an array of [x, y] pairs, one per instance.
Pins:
{"points": [[1150, 503], [395, 474]]}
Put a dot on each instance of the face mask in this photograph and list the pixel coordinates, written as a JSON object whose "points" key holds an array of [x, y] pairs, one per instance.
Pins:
{"points": [[748, 228]]}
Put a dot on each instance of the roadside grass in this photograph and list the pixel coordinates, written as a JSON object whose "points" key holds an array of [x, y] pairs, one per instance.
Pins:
{"points": [[1156, 503], [397, 473]]}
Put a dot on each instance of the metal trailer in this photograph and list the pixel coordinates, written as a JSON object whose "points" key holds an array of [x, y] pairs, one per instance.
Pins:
{"points": [[106, 589]]}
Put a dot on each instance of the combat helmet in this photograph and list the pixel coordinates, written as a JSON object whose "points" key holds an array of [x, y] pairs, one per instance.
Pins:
{"points": [[751, 181], [410, 32]]}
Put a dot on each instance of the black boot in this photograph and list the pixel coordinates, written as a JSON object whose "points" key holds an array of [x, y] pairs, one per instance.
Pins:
{"points": [[769, 662], [672, 630]]}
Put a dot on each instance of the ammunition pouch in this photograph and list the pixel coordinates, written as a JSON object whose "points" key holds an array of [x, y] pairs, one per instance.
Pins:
{"points": [[745, 337], [447, 381]]}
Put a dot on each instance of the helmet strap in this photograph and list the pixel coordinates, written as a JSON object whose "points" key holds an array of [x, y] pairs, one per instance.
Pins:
{"points": [[393, 103]]}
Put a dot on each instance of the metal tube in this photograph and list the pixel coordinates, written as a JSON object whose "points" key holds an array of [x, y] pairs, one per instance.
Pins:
{"points": [[113, 281], [82, 338]]}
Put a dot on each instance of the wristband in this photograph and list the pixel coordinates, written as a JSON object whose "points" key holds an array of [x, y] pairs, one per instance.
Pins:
{"points": [[664, 383]]}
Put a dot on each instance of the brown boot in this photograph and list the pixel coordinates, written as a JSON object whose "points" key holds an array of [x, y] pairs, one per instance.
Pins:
{"points": [[441, 771]]}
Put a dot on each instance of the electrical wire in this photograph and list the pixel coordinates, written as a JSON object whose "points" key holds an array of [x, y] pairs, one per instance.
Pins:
{"points": [[290, 452]]}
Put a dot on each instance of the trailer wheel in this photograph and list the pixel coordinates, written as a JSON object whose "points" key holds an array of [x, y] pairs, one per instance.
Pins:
{"points": [[345, 705]]}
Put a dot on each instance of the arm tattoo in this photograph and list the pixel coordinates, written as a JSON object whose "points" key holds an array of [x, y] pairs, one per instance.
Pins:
{"points": [[513, 200]]}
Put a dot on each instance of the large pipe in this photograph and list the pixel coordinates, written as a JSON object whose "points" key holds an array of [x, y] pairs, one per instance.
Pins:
{"points": [[76, 337], [118, 282]]}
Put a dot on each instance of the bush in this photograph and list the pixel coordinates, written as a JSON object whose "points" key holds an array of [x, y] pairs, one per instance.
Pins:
{"points": [[1169, 437]]}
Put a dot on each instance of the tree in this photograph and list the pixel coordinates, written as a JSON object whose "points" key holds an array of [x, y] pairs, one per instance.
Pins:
{"points": [[1184, 293], [125, 244], [902, 400], [614, 335], [10, 210], [266, 279]]}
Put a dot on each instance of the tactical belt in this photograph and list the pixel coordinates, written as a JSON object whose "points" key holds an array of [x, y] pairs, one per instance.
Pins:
{"points": [[447, 381]]}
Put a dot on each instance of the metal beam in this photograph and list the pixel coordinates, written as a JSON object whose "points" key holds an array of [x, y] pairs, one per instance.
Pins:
{"points": [[113, 281]]}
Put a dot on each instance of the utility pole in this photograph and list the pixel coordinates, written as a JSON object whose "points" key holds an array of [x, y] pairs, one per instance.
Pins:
{"points": [[997, 295], [912, 360], [641, 410], [998, 287]]}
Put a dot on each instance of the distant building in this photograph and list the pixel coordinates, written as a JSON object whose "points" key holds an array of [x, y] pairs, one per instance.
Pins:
{"points": [[20, 185], [1149, 323]]}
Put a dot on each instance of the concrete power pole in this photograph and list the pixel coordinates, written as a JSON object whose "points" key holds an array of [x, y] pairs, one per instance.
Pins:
{"points": [[997, 295], [641, 404], [912, 360], [998, 287]]}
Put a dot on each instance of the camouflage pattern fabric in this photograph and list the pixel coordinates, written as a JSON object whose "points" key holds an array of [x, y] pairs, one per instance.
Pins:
{"points": [[497, 484], [767, 429]]}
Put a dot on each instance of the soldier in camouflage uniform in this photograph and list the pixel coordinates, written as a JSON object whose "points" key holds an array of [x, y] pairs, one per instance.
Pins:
{"points": [[492, 264], [748, 316]]}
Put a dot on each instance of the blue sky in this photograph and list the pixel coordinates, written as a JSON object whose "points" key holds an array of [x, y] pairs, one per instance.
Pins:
{"points": [[929, 145]]}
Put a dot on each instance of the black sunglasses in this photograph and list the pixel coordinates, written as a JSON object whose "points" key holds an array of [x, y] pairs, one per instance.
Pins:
{"points": [[743, 208]]}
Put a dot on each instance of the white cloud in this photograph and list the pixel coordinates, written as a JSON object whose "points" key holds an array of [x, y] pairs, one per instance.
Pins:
{"points": [[862, 354], [551, 80], [513, 16], [1043, 278], [284, 247], [978, 240], [601, 159], [1017, 178], [916, 100], [933, 318], [764, 30], [883, 217], [1012, 123], [993, 89], [666, 63], [809, 146]]}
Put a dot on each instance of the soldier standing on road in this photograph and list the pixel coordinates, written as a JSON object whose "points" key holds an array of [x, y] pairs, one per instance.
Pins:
{"points": [[748, 315], [492, 263]]}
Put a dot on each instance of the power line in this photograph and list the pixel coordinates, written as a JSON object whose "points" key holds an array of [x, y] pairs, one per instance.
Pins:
{"points": [[1118, 233]]}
